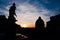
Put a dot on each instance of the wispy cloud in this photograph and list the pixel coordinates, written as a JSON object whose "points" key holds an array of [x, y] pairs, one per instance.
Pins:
{"points": [[46, 1], [4, 12], [28, 13]]}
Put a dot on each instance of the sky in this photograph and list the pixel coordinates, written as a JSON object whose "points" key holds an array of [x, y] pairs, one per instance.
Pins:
{"points": [[28, 11]]}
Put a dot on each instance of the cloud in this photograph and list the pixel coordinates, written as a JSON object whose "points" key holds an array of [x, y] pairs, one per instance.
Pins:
{"points": [[4, 12], [26, 9], [27, 13], [46, 1]]}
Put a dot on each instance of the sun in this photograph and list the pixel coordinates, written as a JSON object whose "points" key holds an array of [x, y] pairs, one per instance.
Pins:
{"points": [[24, 26]]}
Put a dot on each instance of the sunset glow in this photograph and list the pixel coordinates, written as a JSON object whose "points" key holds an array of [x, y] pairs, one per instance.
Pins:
{"points": [[24, 25], [28, 11]]}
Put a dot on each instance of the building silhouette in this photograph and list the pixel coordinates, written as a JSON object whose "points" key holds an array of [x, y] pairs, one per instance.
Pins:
{"points": [[53, 26], [39, 24]]}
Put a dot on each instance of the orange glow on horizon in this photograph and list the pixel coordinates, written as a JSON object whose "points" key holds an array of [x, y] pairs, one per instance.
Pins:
{"points": [[29, 24], [26, 25]]}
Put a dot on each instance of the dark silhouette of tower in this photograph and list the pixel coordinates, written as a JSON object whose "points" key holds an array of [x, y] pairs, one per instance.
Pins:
{"points": [[40, 27], [39, 24]]}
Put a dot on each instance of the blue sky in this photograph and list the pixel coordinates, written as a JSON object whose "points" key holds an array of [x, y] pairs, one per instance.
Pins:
{"points": [[29, 10]]}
